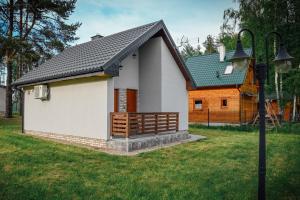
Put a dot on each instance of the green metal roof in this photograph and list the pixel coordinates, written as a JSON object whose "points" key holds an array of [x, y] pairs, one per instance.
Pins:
{"points": [[204, 70]]}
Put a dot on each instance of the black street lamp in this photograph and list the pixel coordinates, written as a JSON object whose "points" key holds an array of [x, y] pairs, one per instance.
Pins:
{"points": [[240, 60]]}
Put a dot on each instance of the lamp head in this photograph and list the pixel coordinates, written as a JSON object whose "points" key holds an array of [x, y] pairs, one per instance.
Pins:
{"points": [[240, 59], [283, 60]]}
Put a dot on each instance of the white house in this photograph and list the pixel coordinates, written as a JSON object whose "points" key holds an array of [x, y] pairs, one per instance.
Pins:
{"points": [[135, 74]]}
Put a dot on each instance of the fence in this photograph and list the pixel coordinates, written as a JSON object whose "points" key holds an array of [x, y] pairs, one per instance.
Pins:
{"points": [[224, 117]]}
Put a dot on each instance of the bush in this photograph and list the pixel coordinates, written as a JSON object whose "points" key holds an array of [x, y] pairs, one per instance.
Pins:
{"points": [[243, 128], [288, 128], [293, 128]]}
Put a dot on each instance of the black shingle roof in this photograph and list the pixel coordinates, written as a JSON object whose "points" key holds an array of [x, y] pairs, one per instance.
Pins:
{"points": [[103, 54]]}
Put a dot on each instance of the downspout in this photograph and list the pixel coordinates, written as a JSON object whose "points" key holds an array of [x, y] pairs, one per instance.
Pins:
{"points": [[21, 90], [22, 110]]}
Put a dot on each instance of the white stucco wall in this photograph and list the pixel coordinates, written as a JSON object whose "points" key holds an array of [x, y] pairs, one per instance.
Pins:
{"points": [[162, 87], [78, 107], [2, 98], [129, 74], [110, 107], [150, 76], [174, 92]]}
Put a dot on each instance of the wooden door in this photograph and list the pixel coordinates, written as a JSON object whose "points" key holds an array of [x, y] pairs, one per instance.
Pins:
{"points": [[131, 100], [116, 97]]}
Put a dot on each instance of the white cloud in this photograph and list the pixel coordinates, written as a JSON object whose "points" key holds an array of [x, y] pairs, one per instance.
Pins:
{"points": [[194, 19]]}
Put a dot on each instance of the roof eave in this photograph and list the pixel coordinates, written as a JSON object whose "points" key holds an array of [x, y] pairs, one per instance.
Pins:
{"points": [[218, 86], [51, 79]]}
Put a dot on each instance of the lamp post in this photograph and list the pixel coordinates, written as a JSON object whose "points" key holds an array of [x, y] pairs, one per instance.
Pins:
{"points": [[282, 62]]}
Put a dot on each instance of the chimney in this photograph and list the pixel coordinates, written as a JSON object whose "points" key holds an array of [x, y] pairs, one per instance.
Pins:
{"points": [[222, 52], [97, 36]]}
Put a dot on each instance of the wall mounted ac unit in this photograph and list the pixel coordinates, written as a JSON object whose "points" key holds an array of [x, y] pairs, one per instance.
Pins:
{"points": [[41, 92]]}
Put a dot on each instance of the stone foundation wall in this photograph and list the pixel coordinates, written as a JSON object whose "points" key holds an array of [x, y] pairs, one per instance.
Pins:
{"points": [[92, 142], [118, 144], [146, 142]]}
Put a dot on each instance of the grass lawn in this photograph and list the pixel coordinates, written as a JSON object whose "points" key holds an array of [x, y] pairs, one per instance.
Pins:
{"points": [[222, 167]]}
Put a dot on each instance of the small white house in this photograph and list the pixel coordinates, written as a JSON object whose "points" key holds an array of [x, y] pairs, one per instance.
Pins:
{"points": [[135, 74]]}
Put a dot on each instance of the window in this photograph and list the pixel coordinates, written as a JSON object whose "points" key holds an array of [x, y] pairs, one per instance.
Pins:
{"points": [[229, 69], [224, 103], [198, 104]]}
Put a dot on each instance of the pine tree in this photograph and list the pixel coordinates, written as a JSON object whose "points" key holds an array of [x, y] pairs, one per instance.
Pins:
{"points": [[210, 45], [189, 51], [31, 29]]}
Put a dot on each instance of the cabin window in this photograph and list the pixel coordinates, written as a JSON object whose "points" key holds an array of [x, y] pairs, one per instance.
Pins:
{"points": [[224, 103], [229, 69], [198, 104]]}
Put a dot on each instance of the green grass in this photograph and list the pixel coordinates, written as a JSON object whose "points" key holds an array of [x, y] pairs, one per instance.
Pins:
{"points": [[222, 167]]}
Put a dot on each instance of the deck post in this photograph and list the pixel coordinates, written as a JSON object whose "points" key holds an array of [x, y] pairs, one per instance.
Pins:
{"points": [[177, 121], [156, 121], [127, 125], [111, 125], [168, 121], [143, 121]]}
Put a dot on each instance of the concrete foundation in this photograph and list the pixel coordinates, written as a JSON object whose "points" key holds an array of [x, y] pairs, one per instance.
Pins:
{"points": [[149, 141], [124, 146]]}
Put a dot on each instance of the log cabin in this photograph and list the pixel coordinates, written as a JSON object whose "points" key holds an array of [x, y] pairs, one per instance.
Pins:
{"points": [[223, 95]]}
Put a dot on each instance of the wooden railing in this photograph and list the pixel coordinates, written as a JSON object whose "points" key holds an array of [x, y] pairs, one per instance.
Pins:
{"points": [[129, 124]]}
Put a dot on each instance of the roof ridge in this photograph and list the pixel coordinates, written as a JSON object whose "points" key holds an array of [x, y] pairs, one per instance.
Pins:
{"points": [[203, 55], [210, 54], [152, 24], [130, 29]]}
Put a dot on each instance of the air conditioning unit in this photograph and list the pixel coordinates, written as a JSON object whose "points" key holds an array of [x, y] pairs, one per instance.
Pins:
{"points": [[41, 92]]}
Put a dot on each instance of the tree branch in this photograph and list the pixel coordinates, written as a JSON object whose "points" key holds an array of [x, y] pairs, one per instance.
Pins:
{"points": [[31, 26]]}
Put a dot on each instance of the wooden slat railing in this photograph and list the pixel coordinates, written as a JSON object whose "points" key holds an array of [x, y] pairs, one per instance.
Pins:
{"points": [[129, 124]]}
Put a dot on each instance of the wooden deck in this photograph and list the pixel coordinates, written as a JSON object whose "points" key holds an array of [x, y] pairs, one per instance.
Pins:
{"points": [[128, 124]]}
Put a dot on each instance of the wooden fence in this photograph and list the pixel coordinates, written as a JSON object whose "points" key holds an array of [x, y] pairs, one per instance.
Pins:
{"points": [[234, 117], [127, 124]]}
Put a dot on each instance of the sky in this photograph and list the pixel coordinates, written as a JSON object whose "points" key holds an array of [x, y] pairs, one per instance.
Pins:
{"points": [[190, 18]]}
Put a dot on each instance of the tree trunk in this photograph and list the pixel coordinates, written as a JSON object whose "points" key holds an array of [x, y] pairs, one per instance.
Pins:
{"points": [[8, 102], [294, 108], [21, 103], [281, 94], [20, 70], [277, 89], [277, 92], [8, 99]]}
